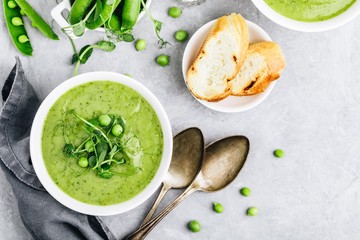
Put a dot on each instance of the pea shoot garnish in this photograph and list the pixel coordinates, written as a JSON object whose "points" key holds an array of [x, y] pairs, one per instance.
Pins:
{"points": [[106, 146]]}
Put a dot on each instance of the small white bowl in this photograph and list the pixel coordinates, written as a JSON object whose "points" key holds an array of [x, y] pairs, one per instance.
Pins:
{"points": [[36, 149], [331, 23], [56, 14], [232, 103]]}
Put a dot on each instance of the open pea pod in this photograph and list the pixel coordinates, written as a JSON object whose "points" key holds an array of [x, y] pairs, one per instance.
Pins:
{"points": [[36, 19], [17, 31]]}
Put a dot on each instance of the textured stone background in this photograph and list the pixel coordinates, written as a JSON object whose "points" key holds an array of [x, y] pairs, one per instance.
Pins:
{"points": [[313, 113]]}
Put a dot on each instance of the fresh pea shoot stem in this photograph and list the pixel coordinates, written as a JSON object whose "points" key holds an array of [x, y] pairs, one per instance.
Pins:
{"points": [[82, 22], [157, 25], [96, 128], [82, 144]]}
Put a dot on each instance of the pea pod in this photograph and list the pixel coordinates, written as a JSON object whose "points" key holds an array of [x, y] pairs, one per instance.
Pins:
{"points": [[114, 23], [36, 19], [16, 31], [106, 13], [78, 10], [130, 13]]}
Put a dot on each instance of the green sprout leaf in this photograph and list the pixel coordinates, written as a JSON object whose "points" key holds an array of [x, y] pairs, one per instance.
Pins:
{"points": [[106, 46], [105, 174]]}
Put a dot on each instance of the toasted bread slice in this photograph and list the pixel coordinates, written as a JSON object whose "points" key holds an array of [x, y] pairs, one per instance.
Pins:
{"points": [[263, 64], [220, 59]]}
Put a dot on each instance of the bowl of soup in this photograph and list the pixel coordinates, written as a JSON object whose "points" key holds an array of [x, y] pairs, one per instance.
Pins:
{"points": [[101, 143], [309, 15]]}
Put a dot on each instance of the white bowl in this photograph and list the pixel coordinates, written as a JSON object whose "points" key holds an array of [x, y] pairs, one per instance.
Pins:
{"points": [[231, 103], [56, 14], [331, 23], [36, 149]]}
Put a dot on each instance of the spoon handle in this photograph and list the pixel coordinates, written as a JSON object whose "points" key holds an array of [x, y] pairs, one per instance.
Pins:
{"points": [[164, 189], [143, 231]]}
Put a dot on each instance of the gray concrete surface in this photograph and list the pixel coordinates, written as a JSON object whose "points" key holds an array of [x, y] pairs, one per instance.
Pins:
{"points": [[313, 114]]}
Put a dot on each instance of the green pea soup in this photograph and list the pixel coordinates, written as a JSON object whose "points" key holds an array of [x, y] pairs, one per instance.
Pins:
{"points": [[310, 10], [90, 100]]}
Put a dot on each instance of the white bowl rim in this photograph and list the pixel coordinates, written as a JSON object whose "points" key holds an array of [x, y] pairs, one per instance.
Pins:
{"points": [[320, 26], [36, 149], [257, 99]]}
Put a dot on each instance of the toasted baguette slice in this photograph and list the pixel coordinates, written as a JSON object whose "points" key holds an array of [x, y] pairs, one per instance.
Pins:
{"points": [[220, 59], [263, 64]]}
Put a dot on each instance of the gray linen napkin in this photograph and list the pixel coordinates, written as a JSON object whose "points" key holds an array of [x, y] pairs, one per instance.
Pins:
{"points": [[42, 215]]}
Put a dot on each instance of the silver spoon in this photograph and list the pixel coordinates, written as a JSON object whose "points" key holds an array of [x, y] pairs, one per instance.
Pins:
{"points": [[222, 162], [188, 152]]}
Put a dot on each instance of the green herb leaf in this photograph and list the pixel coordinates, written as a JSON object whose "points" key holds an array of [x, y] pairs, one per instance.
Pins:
{"points": [[128, 37], [106, 46], [74, 58], [157, 25], [69, 150], [105, 166], [102, 147], [88, 51], [92, 161], [78, 29], [105, 175], [102, 157], [109, 2]]}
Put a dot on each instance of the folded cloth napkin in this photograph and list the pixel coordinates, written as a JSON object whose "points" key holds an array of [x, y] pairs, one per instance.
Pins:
{"points": [[42, 215]]}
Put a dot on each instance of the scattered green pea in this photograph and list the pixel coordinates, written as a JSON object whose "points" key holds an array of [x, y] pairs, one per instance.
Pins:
{"points": [[12, 4], [104, 120], [22, 12], [163, 60], [23, 39], [279, 153], [140, 45], [194, 226], [252, 211], [218, 207], [16, 21], [181, 36], [174, 12], [116, 130], [83, 162], [89, 146], [245, 191]]}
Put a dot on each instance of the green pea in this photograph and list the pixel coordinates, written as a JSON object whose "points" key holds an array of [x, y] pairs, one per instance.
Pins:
{"points": [[181, 35], [245, 191], [116, 130], [218, 207], [194, 226], [83, 162], [174, 12], [104, 120], [11, 4], [140, 45], [89, 146], [16, 21], [163, 60], [23, 39], [279, 153], [22, 12], [252, 211]]}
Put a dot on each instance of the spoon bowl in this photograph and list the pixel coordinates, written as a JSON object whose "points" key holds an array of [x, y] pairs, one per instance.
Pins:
{"points": [[188, 150], [222, 162]]}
